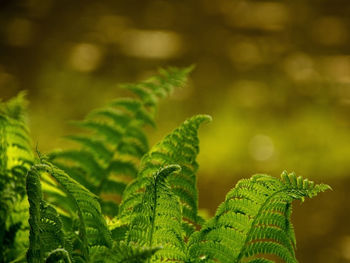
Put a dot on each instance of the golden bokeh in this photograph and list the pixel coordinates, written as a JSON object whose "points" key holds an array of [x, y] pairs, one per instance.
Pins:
{"points": [[274, 75]]}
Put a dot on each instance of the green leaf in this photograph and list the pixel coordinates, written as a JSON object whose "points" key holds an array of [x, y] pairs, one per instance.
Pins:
{"points": [[117, 140], [154, 213], [46, 234], [180, 147], [16, 157], [92, 226], [254, 221], [122, 253]]}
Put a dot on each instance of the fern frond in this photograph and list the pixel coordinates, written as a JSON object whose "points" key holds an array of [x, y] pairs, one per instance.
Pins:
{"points": [[154, 213], [96, 147], [117, 140], [254, 221], [15, 107], [92, 226], [122, 253], [15, 159], [16, 154], [46, 234], [180, 147]]}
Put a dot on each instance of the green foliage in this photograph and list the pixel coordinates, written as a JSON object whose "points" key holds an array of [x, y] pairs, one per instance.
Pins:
{"points": [[180, 147], [109, 157], [46, 234], [154, 215], [90, 242], [254, 221], [158, 196], [157, 220], [123, 253], [15, 159]]}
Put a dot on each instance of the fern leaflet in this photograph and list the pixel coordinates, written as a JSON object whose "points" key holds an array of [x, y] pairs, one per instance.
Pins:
{"points": [[154, 215], [122, 253], [180, 147], [46, 234], [157, 220], [92, 227], [108, 158], [254, 221], [15, 159]]}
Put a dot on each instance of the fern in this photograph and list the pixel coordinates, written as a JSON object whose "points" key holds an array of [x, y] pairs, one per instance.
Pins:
{"points": [[15, 159], [123, 253], [179, 147], [108, 158], [154, 213], [50, 243], [157, 220], [46, 234], [253, 221], [92, 228]]}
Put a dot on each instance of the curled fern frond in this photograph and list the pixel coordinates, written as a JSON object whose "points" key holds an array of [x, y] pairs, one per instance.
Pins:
{"points": [[109, 157], [254, 221], [16, 157], [154, 213]]}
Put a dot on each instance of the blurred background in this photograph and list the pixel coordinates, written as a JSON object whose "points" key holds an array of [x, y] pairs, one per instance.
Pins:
{"points": [[274, 75]]}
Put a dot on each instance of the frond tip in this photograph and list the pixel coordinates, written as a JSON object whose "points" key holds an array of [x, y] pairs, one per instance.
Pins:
{"points": [[109, 155], [181, 146], [300, 184], [254, 221]]}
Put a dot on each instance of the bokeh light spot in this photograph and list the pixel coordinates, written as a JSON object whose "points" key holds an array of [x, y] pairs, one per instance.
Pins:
{"points": [[345, 247], [85, 57], [245, 54], [261, 147], [300, 67], [270, 16], [249, 94], [156, 44], [337, 68]]}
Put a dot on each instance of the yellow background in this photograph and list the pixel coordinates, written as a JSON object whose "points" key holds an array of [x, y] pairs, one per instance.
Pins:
{"points": [[274, 75]]}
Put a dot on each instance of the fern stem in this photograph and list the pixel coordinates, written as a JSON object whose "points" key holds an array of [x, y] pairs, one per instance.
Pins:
{"points": [[153, 210]]}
